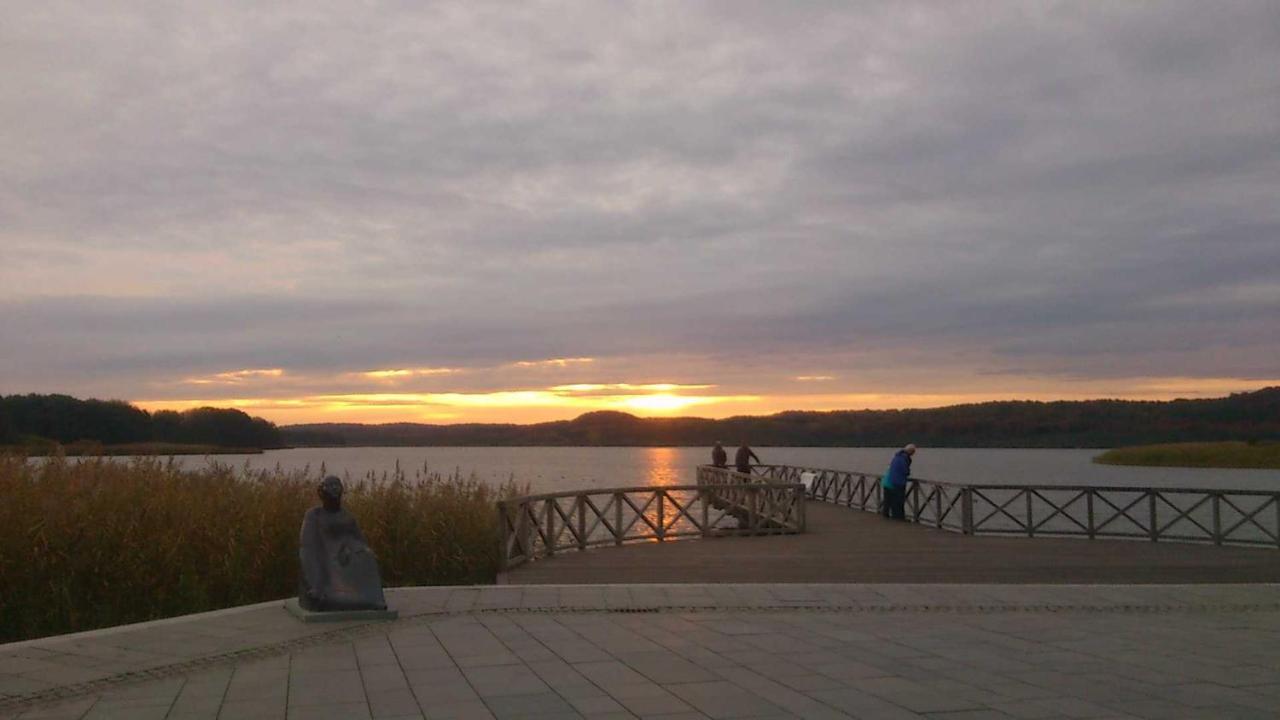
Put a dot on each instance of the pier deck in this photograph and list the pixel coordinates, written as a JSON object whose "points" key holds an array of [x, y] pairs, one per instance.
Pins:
{"points": [[847, 545]]}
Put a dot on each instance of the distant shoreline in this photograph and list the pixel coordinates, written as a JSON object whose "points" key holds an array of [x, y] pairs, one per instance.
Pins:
{"points": [[1220, 455], [694, 445], [1063, 424], [93, 449]]}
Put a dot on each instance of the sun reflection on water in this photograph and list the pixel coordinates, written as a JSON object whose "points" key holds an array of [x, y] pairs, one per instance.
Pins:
{"points": [[663, 468]]}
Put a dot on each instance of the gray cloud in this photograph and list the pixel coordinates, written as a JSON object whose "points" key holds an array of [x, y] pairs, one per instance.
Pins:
{"points": [[746, 189]]}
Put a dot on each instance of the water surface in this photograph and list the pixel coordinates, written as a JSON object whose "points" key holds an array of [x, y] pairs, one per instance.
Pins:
{"points": [[549, 469]]}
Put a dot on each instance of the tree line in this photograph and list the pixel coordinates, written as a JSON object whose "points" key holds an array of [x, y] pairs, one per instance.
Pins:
{"points": [[1253, 416], [1250, 416], [29, 419]]}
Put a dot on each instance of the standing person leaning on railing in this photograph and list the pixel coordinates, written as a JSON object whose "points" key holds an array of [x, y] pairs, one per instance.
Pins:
{"points": [[742, 460], [894, 483], [719, 457]]}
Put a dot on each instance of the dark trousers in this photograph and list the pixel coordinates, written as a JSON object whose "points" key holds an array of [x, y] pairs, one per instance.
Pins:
{"points": [[894, 501]]}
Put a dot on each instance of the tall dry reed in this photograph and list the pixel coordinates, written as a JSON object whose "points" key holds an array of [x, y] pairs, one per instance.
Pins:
{"points": [[93, 543]]}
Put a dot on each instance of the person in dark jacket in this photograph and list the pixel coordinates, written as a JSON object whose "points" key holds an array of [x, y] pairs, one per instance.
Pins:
{"points": [[742, 459], [894, 484], [719, 457]]}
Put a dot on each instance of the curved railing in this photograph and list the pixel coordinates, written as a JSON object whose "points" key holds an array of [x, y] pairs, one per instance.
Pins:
{"points": [[1234, 517], [722, 503]]}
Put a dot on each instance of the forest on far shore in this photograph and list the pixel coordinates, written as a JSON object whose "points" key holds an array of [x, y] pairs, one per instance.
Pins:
{"points": [[36, 421], [1250, 417], [1253, 417]]}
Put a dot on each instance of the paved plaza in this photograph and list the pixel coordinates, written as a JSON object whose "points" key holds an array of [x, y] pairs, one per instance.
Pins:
{"points": [[686, 651]]}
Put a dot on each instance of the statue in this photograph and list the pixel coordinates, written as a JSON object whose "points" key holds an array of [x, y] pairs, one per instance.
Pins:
{"points": [[339, 571]]}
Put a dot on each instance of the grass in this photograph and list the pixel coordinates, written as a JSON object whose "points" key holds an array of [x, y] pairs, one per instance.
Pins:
{"points": [[92, 543], [1204, 454]]}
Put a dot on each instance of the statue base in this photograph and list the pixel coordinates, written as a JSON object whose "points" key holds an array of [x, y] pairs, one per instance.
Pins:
{"points": [[311, 616]]}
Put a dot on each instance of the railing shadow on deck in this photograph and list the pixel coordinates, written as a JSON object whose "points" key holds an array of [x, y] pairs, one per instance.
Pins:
{"points": [[1220, 517], [723, 503]]}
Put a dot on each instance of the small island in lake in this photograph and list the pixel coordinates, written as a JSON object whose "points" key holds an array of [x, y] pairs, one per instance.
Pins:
{"points": [[1255, 455]]}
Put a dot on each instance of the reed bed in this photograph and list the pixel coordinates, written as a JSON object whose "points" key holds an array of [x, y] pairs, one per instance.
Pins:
{"points": [[99, 542], [1255, 455]]}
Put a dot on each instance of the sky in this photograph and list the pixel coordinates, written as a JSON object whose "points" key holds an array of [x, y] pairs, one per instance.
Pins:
{"points": [[461, 212]]}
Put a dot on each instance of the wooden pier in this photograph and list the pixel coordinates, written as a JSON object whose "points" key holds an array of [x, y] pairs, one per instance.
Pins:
{"points": [[958, 534]]}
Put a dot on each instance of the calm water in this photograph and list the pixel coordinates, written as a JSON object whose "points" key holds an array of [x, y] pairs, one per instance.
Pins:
{"points": [[548, 469]]}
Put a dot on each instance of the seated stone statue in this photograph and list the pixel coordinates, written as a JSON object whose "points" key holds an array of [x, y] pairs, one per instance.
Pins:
{"points": [[339, 571]]}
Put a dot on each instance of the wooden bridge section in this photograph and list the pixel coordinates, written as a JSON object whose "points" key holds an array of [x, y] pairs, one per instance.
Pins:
{"points": [[720, 505], [958, 534]]}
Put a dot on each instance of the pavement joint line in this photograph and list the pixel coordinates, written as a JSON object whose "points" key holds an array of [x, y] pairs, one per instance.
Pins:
{"points": [[10, 702]]}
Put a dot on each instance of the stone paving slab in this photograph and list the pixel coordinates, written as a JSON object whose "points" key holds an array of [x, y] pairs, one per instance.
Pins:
{"points": [[716, 651]]}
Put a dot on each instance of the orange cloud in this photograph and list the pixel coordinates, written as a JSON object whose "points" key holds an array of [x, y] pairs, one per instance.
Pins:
{"points": [[553, 362], [235, 377], [402, 373], [650, 387]]}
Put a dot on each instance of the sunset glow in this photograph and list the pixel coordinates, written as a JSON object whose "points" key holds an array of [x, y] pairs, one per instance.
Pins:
{"points": [[569, 400]]}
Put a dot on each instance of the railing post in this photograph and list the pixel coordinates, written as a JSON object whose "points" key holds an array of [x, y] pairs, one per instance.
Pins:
{"points": [[1217, 518], [1088, 500], [551, 525], [966, 510], [525, 531], [800, 498], [915, 500], [1154, 530], [706, 511], [662, 524], [618, 532], [582, 522], [1031, 520], [753, 510], [937, 508], [1275, 503]]}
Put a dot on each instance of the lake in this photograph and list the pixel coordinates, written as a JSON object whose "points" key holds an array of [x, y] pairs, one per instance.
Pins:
{"points": [[549, 469]]}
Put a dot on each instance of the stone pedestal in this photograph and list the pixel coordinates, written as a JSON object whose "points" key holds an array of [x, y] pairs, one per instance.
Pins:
{"points": [[308, 616]]}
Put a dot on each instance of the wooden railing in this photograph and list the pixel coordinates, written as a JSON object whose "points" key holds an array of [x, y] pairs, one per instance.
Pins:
{"points": [[1221, 517], [722, 503]]}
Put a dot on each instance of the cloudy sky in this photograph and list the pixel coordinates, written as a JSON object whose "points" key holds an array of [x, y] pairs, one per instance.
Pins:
{"points": [[462, 211]]}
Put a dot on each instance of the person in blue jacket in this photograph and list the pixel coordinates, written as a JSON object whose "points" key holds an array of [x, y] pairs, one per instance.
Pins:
{"points": [[894, 483]]}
